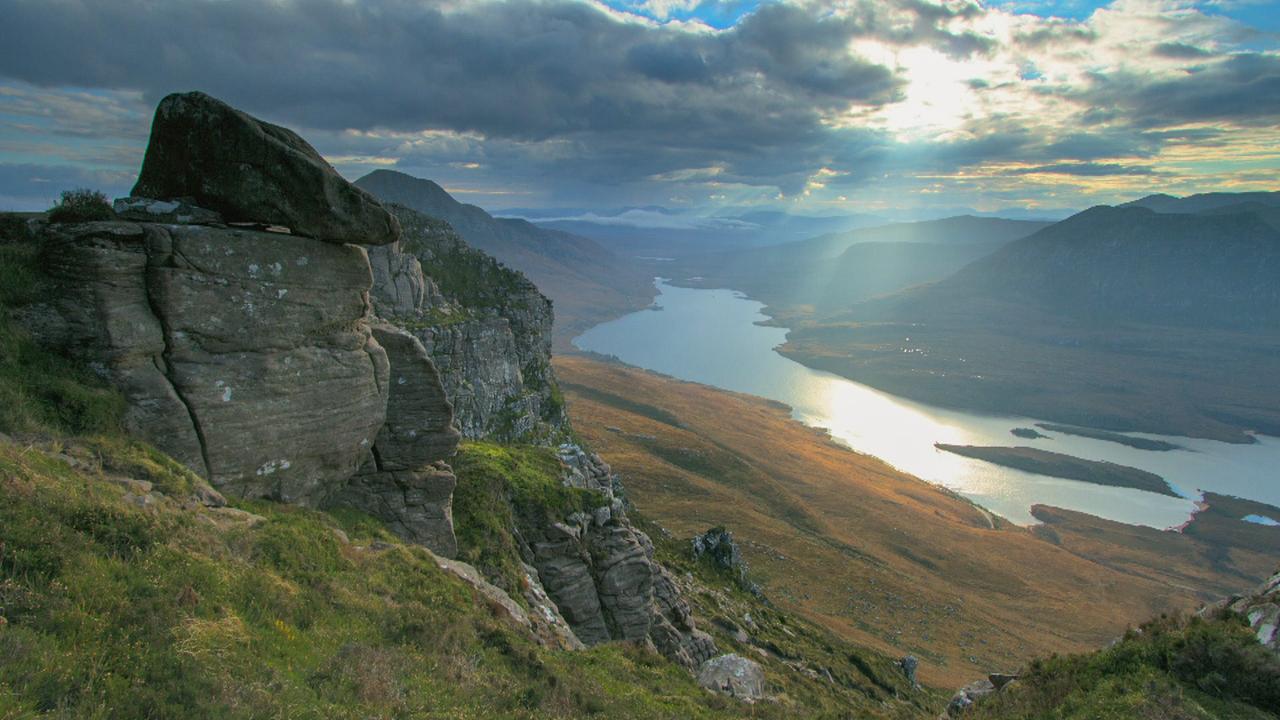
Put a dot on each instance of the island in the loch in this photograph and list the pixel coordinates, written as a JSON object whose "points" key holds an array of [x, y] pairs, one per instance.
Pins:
{"points": [[1138, 443], [1068, 467], [1027, 433]]}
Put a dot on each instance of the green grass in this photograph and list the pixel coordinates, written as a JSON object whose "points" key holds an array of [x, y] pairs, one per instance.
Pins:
{"points": [[501, 488], [1170, 668], [115, 611]]}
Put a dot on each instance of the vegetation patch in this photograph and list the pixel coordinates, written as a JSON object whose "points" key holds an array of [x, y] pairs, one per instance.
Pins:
{"points": [[1168, 668], [115, 610], [82, 205]]}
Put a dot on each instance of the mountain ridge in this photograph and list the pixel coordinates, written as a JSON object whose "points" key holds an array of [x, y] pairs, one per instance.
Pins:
{"points": [[587, 283]]}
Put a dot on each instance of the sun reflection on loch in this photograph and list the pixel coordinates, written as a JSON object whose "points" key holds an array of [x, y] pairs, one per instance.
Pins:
{"points": [[711, 336]]}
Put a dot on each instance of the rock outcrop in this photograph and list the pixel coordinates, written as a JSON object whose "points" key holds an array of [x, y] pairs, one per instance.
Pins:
{"points": [[486, 327], [717, 547], [966, 696], [415, 504], [419, 428], [733, 675], [246, 355], [251, 356], [1261, 608], [599, 570], [252, 171]]}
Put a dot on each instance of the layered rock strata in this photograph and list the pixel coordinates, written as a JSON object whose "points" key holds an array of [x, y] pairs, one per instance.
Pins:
{"points": [[599, 570], [252, 356]]}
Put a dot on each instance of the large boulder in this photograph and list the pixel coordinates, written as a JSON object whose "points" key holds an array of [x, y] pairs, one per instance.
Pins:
{"points": [[252, 171], [733, 675]]}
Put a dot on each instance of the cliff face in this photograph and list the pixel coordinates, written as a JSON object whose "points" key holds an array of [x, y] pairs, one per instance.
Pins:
{"points": [[486, 327], [247, 356]]}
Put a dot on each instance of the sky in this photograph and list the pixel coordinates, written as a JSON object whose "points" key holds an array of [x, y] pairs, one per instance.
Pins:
{"points": [[702, 108]]}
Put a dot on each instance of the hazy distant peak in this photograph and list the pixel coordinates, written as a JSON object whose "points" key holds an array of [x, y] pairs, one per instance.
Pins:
{"points": [[1202, 202]]}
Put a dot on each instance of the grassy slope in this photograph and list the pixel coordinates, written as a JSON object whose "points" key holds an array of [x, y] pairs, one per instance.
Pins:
{"points": [[123, 597], [505, 487], [116, 611], [1170, 669], [876, 556]]}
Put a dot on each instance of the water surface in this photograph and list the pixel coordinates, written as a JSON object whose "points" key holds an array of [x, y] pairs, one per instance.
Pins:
{"points": [[711, 337]]}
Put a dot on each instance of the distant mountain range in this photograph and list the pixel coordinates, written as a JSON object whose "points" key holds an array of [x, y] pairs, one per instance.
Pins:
{"points": [[648, 231], [653, 231], [1120, 317], [587, 283], [829, 272], [1118, 264]]}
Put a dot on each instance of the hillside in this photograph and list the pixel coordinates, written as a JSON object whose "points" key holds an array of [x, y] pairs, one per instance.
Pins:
{"points": [[1089, 302], [230, 486], [657, 232], [828, 272], [881, 558], [587, 283], [1223, 662]]}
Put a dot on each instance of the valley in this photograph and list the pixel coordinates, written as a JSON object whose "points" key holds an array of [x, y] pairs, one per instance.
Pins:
{"points": [[878, 556], [640, 360], [1086, 304]]}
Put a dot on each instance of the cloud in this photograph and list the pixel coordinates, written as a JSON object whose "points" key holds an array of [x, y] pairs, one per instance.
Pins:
{"points": [[1243, 88], [34, 187], [1084, 169], [622, 103], [1180, 51]]}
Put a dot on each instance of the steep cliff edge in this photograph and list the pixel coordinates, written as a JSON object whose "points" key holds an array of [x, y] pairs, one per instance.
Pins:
{"points": [[487, 328]]}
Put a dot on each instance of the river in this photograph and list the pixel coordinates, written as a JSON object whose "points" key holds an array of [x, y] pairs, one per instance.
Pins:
{"points": [[712, 337]]}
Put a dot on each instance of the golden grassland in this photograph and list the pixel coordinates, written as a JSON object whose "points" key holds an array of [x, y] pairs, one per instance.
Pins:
{"points": [[873, 554]]}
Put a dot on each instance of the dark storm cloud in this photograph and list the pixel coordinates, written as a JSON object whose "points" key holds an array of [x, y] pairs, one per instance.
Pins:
{"points": [[525, 72], [1243, 89], [505, 69], [1180, 51]]}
